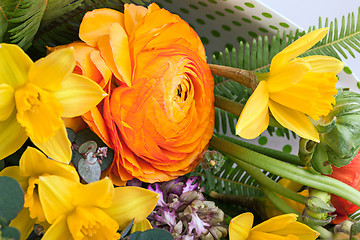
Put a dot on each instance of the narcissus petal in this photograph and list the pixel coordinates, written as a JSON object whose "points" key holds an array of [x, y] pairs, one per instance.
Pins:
{"points": [[294, 120], [14, 172], [58, 147], [23, 223], [287, 75], [49, 72], [56, 196], [12, 136], [126, 202], [97, 194], [31, 160], [240, 226], [15, 65], [58, 230], [141, 226], [7, 103], [276, 223], [96, 24], [320, 63], [78, 95], [254, 118], [298, 47]]}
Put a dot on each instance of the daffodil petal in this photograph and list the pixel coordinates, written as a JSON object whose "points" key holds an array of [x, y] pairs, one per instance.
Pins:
{"points": [[14, 172], [7, 103], [294, 120], [131, 202], [298, 47], [240, 226], [287, 75], [320, 63], [58, 230], [120, 48], [15, 65], [56, 196], [276, 223], [78, 95], [256, 235], [31, 160], [254, 118], [49, 72], [97, 194], [96, 24], [141, 226], [302, 231], [23, 223], [12, 136], [58, 147]]}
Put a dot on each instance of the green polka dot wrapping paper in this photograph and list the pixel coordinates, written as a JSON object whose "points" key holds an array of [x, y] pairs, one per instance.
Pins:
{"points": [[224, 23]]}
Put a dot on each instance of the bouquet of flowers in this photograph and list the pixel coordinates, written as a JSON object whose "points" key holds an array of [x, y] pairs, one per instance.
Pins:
{"points": [[113, 125]]}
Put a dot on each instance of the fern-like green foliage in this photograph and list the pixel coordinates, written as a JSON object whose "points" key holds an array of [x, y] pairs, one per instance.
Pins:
{"points": [[342, 40], [41, 23]]}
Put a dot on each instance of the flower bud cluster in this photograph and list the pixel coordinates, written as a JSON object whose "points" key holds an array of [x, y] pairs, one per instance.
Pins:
{"points": [[183, 211]]}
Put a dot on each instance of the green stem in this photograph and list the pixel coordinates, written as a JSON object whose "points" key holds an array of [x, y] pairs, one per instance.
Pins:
{"points": [[287, 171], [280, 155], [278, 202], [266, 182], [228, 105]]}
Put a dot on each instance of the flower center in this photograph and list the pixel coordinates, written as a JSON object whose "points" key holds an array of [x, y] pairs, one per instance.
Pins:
{"points": [[38, 111], [182, 91]]}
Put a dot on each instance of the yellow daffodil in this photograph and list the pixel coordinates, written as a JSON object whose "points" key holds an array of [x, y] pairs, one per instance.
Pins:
{"points": [[283, 227], [292, 90], [92, 211], [34, 97], [32, 165]]}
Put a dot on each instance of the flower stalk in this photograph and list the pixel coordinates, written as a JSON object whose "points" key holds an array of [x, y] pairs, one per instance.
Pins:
{"points": [[244, 77], [287, 171]]}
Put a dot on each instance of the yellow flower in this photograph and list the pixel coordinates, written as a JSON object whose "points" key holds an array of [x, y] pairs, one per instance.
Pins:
{"points": [[34, 97], [283, 227], [34, 164], [293, 89], [92, 211]]}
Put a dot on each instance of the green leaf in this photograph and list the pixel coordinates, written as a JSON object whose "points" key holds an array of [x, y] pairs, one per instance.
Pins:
{"points": [[10, 233], [11, 198], [152, 234]]}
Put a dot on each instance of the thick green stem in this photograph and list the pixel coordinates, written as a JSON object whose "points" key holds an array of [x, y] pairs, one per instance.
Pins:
{"points": [[287, 171], [228, 105], [280, 155], [266, 182], [278, 202]]}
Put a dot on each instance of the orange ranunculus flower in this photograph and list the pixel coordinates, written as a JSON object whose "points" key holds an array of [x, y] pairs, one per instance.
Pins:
{"points": [[159, 115]]}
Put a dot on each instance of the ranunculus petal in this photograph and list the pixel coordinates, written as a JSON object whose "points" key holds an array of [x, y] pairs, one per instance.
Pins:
{"points": [[15, 65], [240, 226], [57, 196], [14, 172], [33, 158], [7, 103], [298, 47], [120, 48], [12, 136], [294, 120], [96, 24], [97, 194], [320, 63], [254, 118], [23, 223], [287, 75], [126, 202], [78, 95], [58, 147], [132, 15], [49, 72], [58, 230]]}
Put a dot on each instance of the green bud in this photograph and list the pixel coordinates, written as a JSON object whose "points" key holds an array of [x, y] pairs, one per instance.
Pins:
{"points": [[355, 230], [317, 205], [339, 133], [212, 160], [316, 219]]}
